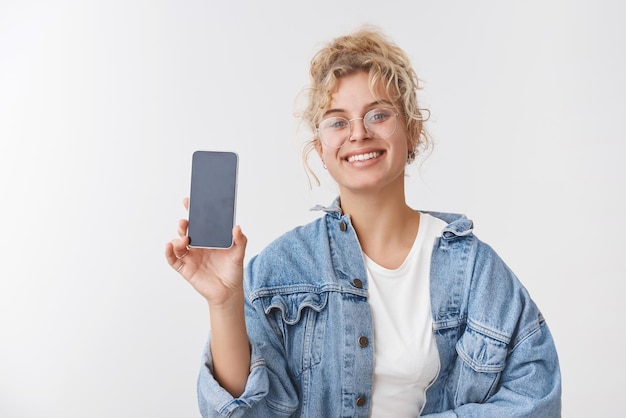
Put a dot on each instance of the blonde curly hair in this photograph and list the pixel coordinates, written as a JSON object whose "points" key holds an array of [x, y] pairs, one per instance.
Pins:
{"points": [[368, 50]]}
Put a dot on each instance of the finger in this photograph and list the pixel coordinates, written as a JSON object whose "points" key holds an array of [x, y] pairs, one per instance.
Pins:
{"points": [[182, 228], [239, 239], [175, 262], [186, 203], [239, 243], [176, 250], [169, 254], [183, 248]]}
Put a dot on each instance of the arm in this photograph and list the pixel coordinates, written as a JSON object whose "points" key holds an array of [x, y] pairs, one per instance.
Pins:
{"points": [[235, 378], [268, 392], [229, 345], [218, 276]]}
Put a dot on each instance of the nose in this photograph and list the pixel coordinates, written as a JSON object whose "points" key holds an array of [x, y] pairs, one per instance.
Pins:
{"points": [[357, 129]]}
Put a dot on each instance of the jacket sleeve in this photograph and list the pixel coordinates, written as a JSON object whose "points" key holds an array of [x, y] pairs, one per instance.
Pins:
{"points": [[504, 362], [530, 385], [269, 391]]}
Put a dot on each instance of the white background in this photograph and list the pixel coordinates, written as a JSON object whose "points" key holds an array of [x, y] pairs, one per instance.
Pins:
{"points": [[103, 102]]}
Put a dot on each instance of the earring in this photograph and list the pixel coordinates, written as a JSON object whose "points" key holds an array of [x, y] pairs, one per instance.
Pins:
{"points": [[324, 165], [410, 156]]}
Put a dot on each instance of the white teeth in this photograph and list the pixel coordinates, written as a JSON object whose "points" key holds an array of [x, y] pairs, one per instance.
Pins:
{"points": [[363, 157]]}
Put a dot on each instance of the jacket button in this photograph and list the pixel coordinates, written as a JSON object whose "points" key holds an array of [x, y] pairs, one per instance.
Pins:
{"points": [[363, 342], [343, 226], [360, 401], [357, 283]]}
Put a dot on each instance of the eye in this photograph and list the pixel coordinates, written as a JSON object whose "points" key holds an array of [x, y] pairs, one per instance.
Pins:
{"points": [[378, 115], [334, 124]]}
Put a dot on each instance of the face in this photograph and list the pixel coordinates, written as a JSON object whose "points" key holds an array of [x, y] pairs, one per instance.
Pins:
{"points": [[364, 163]]}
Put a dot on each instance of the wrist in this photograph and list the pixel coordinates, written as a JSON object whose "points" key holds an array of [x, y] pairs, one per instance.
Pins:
{"points": [[228, 306]]}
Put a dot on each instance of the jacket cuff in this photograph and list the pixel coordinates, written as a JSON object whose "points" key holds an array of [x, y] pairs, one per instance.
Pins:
{"points": [[214, 400]]}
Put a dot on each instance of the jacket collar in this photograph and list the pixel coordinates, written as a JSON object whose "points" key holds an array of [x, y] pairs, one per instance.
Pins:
{"points": [[458, 225], [334, 209]]}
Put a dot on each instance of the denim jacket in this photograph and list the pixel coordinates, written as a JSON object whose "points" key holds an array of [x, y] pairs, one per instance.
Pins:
{"points": [[311, 335]]}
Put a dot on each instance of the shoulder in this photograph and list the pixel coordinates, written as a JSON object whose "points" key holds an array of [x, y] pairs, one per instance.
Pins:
{"points": [[296, 257], [294, 243], [496, 301], [491, 295]]}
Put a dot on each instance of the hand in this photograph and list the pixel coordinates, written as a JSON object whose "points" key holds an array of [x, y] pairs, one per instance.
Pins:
{"points": [[217, 274]]}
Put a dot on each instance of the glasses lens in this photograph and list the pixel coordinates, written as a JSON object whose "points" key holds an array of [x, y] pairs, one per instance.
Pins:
{"points": [[334, 131], [380, 123]]}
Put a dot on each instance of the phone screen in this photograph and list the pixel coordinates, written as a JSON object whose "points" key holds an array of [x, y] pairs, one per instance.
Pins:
{"points": [[212, 199]]}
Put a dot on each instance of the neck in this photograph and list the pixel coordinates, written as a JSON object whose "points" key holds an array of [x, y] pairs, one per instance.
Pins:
{"points": [[385, 224], [372, 209]]}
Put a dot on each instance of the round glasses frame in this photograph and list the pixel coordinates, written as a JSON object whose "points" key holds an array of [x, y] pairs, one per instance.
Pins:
{"points": [[336, 126]]}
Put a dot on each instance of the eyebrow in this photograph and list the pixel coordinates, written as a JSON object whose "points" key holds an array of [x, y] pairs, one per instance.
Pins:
{"points": [[370, 105]]}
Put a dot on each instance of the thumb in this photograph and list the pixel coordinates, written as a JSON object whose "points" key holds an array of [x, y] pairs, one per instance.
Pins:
{"points": [[239, 239]]}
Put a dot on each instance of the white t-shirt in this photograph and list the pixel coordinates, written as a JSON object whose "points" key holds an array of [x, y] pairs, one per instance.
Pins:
{"points": [[406, 360]]}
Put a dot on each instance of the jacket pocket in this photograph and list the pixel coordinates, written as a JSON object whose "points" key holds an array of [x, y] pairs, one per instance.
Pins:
{"points": [[482, 361], [300, 320]]}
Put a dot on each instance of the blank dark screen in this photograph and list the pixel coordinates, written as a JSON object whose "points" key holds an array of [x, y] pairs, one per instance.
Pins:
{"points": [[212, 199]]}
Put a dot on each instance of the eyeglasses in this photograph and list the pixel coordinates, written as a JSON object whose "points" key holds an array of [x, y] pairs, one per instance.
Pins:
{"points": [[379, 123]]}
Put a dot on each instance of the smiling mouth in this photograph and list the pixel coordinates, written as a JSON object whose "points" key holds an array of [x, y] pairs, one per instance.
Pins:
{"points": [[364, 157]]}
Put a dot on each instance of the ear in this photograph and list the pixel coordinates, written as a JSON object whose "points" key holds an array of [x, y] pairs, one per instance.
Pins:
{"points": [[318, 147]]}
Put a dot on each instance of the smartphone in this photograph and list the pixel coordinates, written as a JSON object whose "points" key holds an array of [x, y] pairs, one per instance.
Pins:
{"points": [[212, 199]]}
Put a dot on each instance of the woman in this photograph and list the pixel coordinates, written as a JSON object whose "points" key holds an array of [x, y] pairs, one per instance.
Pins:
{"points": [[374, 309]]}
